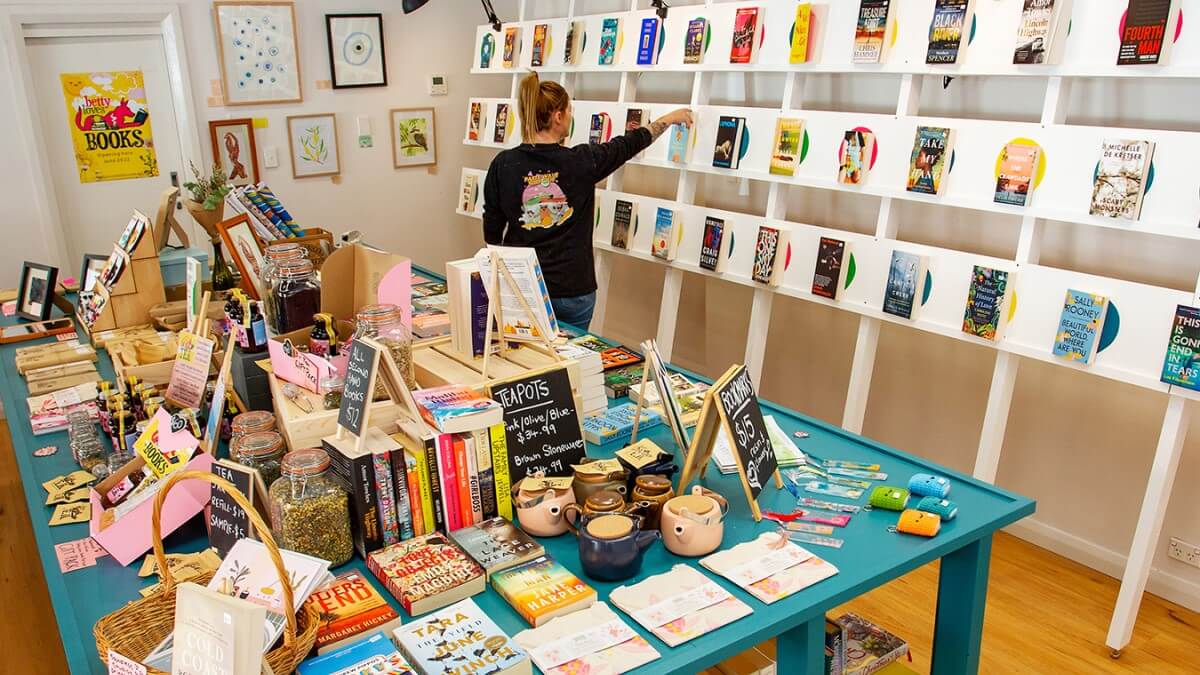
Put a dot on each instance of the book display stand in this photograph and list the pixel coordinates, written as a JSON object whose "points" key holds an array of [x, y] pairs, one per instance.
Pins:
{"points": [[1061, 193], [139, 288], [495, 316]]}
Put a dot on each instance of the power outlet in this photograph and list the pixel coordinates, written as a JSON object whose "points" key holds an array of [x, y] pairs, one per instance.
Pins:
{"points": [[1184, 552]]}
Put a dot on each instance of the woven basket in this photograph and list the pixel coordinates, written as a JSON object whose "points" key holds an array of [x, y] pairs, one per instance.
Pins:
{"points": [[140, 626]]}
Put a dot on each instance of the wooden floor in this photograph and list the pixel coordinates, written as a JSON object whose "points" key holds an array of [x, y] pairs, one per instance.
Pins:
{"points": [[1045, 614]]}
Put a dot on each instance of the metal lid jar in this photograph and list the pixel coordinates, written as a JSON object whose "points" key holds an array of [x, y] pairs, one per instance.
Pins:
{"points": [[384, 324], [296, 294], [261, 450], [273, 256], [310, 514]]}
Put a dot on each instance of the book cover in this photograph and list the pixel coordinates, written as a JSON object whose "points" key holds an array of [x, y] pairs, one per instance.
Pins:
{"points": [[496, 544], [800, 29], [510, 46], [693, 43], [711, 245], [454, 408], [663, 244], [766, 254], [648, 42], [615, 357], [448, 475], [789, 134], [1121, 178], [215, 633], [1182, 364], [745, 35], [528, 294], [633, 119], [622, 224], [416, 494], [460, 640], [1145, 32], [375, 655], [1018, 163], [946, 30], [616, 423], [470, 184], [680, 385], [541, 34], [1035, 32], [573, 45], [475, 123], [870, 30], [835, 647], [986, 296], [499, 448], [928, 162], [868, 647], [406, 512], [617, 381], [600, 128], [542, 589], [501, 130], [487, 47], [609, 30], [426, 573], [828, 274], [478, 313], [353, 470], [679, 146], [474, 482], [432, 451], [590, 342], [482, 444], [727, 148], [347, 608], [905, 281], [1079, 326]]}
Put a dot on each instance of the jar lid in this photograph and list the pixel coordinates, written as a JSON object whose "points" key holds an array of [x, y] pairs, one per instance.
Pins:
{"points": [[610, 526], [285, 251], [653, 484], [605, 500], [697, 504], [252, 421], [260, 444], [333, 381], [300, 267], [379, 314], [306, 462]]}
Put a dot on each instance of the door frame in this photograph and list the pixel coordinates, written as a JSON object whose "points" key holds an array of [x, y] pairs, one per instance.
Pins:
{"points": [[19, 22]]}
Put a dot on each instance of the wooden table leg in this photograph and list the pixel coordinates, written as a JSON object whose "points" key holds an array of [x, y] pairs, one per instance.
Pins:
{"points": [[802, 649], [962, 596]]}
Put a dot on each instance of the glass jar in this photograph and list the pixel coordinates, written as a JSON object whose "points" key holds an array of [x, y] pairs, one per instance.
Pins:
{"points": [[273, 256], [251, 422], [383, 324], [309, 513], [261, 450], [296, 294], [333, 386]]}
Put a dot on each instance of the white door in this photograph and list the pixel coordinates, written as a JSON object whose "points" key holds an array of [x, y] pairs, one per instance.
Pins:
{"points": [[93, 214]]}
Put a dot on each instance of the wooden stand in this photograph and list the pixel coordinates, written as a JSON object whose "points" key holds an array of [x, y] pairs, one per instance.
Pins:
{"points": [[382, 363], [495, 317], [164, 220], [139, 288], [654, 363]]}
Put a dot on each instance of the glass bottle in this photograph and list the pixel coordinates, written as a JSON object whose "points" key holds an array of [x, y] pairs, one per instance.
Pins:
{"points": [[273, 257], [222, 276], [296, 294], [262, 450], [383, 324], [310, 514]]}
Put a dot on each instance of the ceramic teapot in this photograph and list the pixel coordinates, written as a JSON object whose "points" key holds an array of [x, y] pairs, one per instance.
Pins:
{"points": [[611, 545], [693, 524], [540, 509]]}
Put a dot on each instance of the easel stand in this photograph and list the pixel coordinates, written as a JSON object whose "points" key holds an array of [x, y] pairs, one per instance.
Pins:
{"points": [[495, 317], [654, 364], [384, 364]]}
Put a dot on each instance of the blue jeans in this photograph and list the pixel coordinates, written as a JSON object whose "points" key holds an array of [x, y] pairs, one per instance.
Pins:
{"points": [[576, 311]]}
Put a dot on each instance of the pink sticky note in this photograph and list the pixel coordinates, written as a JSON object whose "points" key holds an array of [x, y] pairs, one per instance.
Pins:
{"points": [[67, 337], [9, 307], [78, 554]]}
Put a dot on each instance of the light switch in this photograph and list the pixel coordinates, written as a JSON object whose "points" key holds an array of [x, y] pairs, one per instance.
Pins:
{"points": [[270, 157]]}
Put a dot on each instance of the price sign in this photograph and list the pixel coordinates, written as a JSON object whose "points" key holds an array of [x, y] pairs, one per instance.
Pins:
{"points": [[744, 422], [227, 520], [360, 386], [541, 424]]}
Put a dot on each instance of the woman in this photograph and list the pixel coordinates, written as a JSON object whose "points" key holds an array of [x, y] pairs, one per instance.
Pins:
{"points": [[542, 194]]}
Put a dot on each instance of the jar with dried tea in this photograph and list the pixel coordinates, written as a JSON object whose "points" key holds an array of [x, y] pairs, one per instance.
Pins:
{"points": [[383, 324], [251, 422], [263, 451], [309, 513]]}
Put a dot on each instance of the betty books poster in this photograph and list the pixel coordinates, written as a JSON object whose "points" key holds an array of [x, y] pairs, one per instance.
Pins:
{"points": [[110, 125]]}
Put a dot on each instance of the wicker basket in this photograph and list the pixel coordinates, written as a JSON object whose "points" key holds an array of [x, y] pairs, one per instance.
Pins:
{"points": [[140, 626]]}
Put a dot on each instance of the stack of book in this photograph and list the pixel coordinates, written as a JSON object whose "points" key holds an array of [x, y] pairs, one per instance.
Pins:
{"points": [[427, 573], [375, 654], [460, 639], [591, 376], [542, 589], [689, 396], [350, 607], [618, 381], [616, 423]]}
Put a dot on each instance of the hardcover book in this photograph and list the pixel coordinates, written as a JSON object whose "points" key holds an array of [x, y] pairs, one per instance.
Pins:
{"points": [[487, 48], [927, 166], [1018, 164], [455, 408], [616, 423], [728, 147], [623, 220], [348, 607], [678, 605], [600, 129], [618, 381], [616, 357], [906, 280], [573, 45], [870, 31], [593, 640], [1036, 32], [426, 573], [987, 298], [609, 30], [679, 145], [767, 265], [827, 278], [510, 46], [1079, 326], [946, 30], [375, 655], [693, 44], [542, 589], [477, 120], [1145, 32], [868, 647], [648, 42], [1182, 364], [1121, 178], [745, 35], [712, 244], [501, 131], [458, 640], [800, 28], [855, 154], [663, 244], [789, 134], [633, 119], [496, 544], [766, 570], [216, 633], [541, 34]]}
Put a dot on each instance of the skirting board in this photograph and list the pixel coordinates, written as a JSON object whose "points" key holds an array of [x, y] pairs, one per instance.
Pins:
{"points": [[1161, 583]]}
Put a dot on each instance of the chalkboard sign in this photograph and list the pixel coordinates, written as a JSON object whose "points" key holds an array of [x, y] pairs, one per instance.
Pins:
{"points": [[227, 521], [738, 403], [360, 386], [541, 424]]}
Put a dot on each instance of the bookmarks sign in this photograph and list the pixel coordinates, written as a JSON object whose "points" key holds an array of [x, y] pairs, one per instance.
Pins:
{"points": [[227, 520], [541, 423], [360, 387]]}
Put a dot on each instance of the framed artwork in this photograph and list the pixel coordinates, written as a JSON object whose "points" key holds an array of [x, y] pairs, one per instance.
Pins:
{"points": [[257, 46], [247, 252], [413, 137], [233, 146], [312, 144], [35, 294], [93, 265], [356, 57]]}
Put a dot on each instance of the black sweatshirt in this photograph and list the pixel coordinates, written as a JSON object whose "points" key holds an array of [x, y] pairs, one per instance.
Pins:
{"points": [[543, 195]]}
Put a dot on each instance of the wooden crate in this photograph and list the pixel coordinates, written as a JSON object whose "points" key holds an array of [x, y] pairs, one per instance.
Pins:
{"points": [[305, 430], [436, 363]]}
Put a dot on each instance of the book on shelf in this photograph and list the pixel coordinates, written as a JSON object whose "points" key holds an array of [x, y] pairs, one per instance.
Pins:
{"points": [[573, 45], [745, 35], [727, 149], [946, 30], [666, 223], [477, 121], [456, 408], [827, 277], [785, 155], [868, 646], [1018, 167], [610, 28], [461, 639], [835, 647], [600, 129], [618, 381], [927, 165], [512, 47], [375, 655], [467, 307], [426, 573], [1121, 175], [616, 357], [767, 570], [589, 341], [1080, 326], [693, 42], [216, 633], [1181, 366], [616, 423], [541, 38], [469, 192], [905, 284], [648, 42], [634, 118], [542, 589], [680, 384], [348, 608], [352, 468], [500, 132], [678, 605], [1040, 33], [486, 471], [987, 303], [798, 52], [870, 31], [679, 147], [487, 48], [1145, 37], [770, 253], [712, 245], [591, 640], [496, 544], [624, 220], [530, 291]]}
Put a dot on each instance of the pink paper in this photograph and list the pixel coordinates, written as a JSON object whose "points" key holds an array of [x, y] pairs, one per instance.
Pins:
{"points": [[78, 554], [172, 441], [396, 288], [67, 337], [303, 368], [9, 307]]}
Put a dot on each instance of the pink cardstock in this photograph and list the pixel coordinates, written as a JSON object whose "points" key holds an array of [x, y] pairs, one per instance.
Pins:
{"points": [[78, 554], [396, 288]]}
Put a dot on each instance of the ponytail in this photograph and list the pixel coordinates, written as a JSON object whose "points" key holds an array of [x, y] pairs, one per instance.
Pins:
{"points": [[536, 102]]}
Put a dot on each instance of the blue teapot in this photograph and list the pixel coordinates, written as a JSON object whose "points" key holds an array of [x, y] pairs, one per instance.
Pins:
{"points": [[611, 545]]}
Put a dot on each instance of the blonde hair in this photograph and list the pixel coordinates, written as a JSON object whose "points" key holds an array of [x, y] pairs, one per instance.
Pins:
{"points": [[536, 102]]}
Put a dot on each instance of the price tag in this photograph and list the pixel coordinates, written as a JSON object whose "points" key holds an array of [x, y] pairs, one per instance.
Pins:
{"points": [[120, 665], [532, 483], [641, 453], [600, 466]]}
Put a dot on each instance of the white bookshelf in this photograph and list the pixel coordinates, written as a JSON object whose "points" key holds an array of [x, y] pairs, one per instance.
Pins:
{"points": [[1171, 207]]}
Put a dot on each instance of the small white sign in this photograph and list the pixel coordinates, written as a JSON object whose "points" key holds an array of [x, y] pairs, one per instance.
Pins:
{"points": [[120, 665]]}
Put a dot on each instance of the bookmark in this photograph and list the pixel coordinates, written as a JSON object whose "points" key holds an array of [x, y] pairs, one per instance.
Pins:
{"points": [[823, 488], [815, 539], [827, 505], [825, 518], [849, 482], [810, 528], [844, 464], [857, 473]]}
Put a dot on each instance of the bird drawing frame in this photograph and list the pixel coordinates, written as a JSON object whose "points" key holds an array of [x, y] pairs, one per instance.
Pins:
{"points": [[413, 137], [234, 148]]}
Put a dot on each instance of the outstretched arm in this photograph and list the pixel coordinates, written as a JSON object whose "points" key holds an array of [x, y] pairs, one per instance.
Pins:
{"points": [[608, 157]]}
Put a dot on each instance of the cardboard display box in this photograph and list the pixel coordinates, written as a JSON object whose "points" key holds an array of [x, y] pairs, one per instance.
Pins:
{"points": [[355, 276], [303, 368]]}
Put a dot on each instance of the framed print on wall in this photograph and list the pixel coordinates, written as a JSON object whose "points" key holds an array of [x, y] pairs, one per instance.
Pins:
{"points": [[233, 146], [413, 137], [313, 146], [257, 46], [356, 57], [35, 294], [246, 250]]}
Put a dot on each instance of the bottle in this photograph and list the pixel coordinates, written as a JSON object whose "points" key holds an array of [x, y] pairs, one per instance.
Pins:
{"points": [[237, 333], [222, 276], [226, 326], [323, 339], [256, 328]]}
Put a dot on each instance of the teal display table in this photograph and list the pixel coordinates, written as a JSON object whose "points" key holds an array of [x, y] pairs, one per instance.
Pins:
{"points": [[870, 557]]}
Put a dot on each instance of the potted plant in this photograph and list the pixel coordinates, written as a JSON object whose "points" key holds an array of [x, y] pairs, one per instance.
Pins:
{"points": [[207, 204]]}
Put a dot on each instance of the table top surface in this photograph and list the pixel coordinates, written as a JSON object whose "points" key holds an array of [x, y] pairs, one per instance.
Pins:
{"points": [[870, 556]]}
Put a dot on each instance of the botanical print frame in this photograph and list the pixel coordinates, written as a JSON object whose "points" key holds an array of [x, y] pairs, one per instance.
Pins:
{"points": [[93, 266], [258, 51], [356, 52], [309, 145], [231, 139], [246, 250], [414, 137], [35, 295]]}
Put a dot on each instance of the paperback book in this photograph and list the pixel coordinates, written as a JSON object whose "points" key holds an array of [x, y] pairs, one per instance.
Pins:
{"points": [[600, 129], [827, 278], [470, 188], [216, 633], [927, 166], [592, 640], [542, 589], [789, 134], [663, 244], [868, 647], [426, 573], [573, 45], [800, 33], [987, 298], [857, 148], [461, 639], [529, 290], [693, 44], [616, 357], [455, 408], [870, 31], [619, 381], [623, 222], [679, 146], [633, 119], [946, 30], [712, 244], [1018, 164], [648, 42], [375, 655], [616, 423], [609, 30], [541, 37], [487, 48], [1144, 35], [349, 607], [1036, 34], [745, 35], [501, 130], [1121, 176], [679, 605], [906, 280], [511, 47], [496, 544], [477, 120], [728, 148], [1080, 326], [1182, 364], [767, 248]]}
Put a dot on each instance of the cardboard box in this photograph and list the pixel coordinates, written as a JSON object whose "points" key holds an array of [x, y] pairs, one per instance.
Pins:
{"points": [[354, 276], [249, 380], [303, 368]]}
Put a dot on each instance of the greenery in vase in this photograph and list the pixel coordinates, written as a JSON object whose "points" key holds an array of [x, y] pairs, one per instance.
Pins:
{"points": [[208, 190]]}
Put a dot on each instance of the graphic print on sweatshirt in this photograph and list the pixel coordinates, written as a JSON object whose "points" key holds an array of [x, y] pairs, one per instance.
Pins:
{"points": [[543, 202]]}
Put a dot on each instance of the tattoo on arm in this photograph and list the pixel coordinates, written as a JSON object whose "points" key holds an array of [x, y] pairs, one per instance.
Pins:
{"points": [[657, 128]]}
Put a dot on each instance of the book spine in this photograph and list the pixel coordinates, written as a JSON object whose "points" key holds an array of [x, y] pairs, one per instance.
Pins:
{"points": [[473, 483], [462, 474], [433, 482], [357, 478], [487, 480], [499, 446], [449, 480], [413, 483], [404, 512], [389, 526]]}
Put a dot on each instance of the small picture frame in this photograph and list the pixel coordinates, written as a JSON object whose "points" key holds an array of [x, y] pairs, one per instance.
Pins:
{"points": [[356, 54], [258, 51], [313, 145], [35, 295], [246, 250], [233, 146], [89, 275], [414, 141]]}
